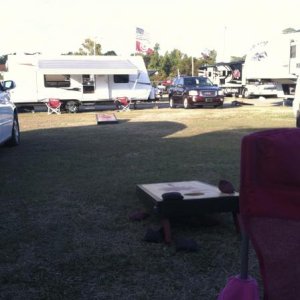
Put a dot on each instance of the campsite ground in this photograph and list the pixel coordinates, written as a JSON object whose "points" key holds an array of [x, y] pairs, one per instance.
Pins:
{"points": [[68, 189]]}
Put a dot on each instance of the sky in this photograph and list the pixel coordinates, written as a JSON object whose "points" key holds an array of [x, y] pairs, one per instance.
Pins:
{"points": [[230, 27]]}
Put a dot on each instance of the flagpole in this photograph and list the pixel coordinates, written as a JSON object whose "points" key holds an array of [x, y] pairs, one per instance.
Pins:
{"points": [[134, 52], [192, 65]]}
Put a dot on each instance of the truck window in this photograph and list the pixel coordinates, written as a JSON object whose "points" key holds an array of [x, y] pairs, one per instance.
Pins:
{"points": [[56, 80]]}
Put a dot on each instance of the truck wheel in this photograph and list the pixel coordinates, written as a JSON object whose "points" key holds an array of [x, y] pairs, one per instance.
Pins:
{"points": [[186, 104], [15, 133], [172, 104], [72, 107]]}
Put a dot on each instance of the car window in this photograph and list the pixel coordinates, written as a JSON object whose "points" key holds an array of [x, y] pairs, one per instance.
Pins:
{"points": [[203, 81], [197, 81], [190, 81]]}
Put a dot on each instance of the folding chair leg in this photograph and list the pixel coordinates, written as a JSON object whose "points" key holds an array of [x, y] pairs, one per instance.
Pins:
{"points": [[244, 256]]}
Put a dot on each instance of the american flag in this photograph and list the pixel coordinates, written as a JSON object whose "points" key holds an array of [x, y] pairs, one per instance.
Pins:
{"points": [[143, 41]]}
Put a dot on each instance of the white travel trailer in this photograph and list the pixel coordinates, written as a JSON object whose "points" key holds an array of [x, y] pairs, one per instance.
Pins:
{"points": [[77, 80]]}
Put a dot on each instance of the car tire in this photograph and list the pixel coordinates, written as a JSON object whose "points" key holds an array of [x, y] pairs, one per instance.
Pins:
{"points": [[72, 107], [186, 103], [172, 104], [15, 133]]}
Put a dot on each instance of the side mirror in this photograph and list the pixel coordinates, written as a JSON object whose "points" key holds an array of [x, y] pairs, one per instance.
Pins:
{"points": [[8, 85]]}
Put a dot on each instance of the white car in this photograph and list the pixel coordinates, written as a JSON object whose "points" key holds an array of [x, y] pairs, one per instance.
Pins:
{"points": [[9, 123]]}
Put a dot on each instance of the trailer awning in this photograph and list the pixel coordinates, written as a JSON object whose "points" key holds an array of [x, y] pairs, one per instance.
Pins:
{"points": [[87, 66]]}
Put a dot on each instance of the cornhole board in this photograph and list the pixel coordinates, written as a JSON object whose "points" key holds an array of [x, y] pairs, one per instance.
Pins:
{"points": [[106, 118], [198, 198]]}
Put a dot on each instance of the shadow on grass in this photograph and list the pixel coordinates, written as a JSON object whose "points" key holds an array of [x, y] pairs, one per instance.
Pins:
{"points": [[65, 198]]}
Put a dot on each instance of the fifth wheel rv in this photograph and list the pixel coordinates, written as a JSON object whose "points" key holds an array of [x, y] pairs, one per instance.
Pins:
{"points": [[233, 80], [77, 80], [266, 71]]}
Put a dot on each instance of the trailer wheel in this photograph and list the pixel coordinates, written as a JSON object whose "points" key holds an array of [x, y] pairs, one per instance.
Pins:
{"points": [[72, 107], [246, 94]]}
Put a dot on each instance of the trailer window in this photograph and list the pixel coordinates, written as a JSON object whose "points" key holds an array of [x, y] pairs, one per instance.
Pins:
{"points": [[57, 80], [88, 84], [123, 78]]}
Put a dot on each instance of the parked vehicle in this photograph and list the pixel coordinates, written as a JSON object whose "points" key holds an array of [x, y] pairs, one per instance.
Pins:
{"points": [[234, 81], [9, 123], [192, 91], [77, 80], [227, 76], [268, 70]]}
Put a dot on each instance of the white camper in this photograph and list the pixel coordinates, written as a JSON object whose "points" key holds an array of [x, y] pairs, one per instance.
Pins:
{"points": [[269, 65], [268, 70], [77, 80]]}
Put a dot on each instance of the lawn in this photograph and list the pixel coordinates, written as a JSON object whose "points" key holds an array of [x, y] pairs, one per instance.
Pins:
{"points": [[68, 189]]}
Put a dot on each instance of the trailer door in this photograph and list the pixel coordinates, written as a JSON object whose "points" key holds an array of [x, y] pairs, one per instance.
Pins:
{"points": [[101, 87]]}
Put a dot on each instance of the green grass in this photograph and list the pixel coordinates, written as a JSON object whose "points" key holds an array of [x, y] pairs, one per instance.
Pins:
{"points": [[68, 189]]}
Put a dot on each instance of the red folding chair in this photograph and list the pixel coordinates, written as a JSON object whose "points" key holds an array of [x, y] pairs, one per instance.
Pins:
{"points": [[122, 103], [270, 207], [53, 106]]}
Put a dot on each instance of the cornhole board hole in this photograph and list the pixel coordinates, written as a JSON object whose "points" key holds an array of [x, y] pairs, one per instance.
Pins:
{"points": [[106, 119]]}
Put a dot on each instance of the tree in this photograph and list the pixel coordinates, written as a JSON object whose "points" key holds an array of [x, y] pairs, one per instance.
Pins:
{"points": [[166, 65], [175, 58], [289, 30], [89, 47], [155, 59], [111, 52], [237, 58], [185, 65]]}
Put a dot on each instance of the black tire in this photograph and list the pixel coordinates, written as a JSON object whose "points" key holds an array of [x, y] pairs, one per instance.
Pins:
{"points": [[15, 133], [172, 104], [186, 104], [72, 107], [246, 94]]}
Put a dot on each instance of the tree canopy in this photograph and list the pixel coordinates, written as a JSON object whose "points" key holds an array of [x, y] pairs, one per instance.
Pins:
{"points": [[176, 62]]}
